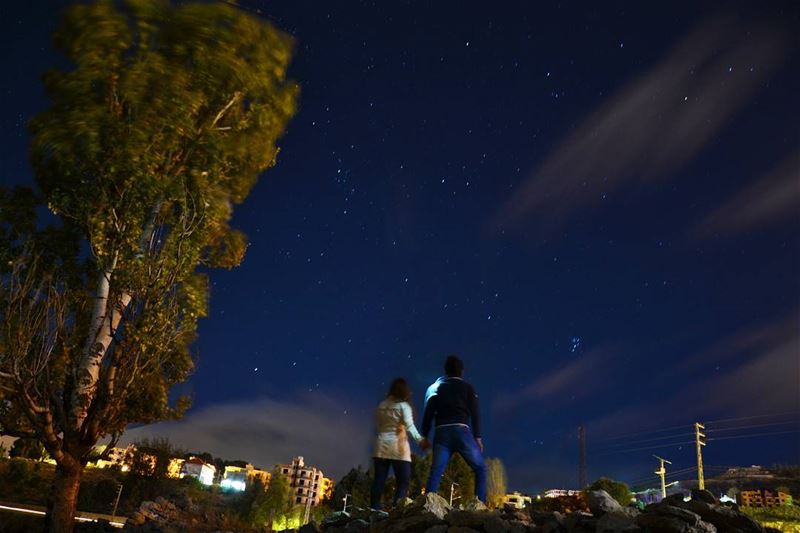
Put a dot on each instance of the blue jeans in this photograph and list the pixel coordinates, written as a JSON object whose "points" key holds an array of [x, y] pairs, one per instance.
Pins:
{"points": [[402, 476], [457, 439]]}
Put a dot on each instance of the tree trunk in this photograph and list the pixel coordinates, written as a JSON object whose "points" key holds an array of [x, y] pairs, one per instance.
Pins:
{"points": [[63, 500]]}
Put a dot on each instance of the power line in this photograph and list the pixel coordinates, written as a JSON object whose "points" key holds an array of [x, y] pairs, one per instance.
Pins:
{"points": [[756, 435], [771, 415], [642, 441], [625, 436], [736, 428], [666, 445]]}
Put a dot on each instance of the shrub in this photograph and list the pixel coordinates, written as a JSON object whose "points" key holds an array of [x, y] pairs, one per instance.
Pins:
{"points": [[616, 489]]}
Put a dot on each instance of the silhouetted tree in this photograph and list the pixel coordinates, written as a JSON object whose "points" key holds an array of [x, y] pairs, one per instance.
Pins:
{"points": [[496, 481], [27, 448], [161, 124], [616, 489]]}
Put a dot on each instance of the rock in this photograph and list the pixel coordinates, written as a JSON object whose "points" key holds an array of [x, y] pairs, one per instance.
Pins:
{"points": [[439, 528], [336, 519], [494, 524], [549, 522], [660, 518], [673, 499], [434, 504], [617, 523], [580, 522], [474, 505], [411, 522], [461, 529], [311, 527], [723, 518], [136, 519], [517, 515], [600, 503], [517, 527], [358, 525], [469, 519], [704, 496]]}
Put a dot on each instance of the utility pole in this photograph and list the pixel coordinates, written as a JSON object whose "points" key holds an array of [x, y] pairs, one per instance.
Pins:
{"points": [[662, 473], [582, 475], [699, 442], [344, 509], [308, 507], [116, 502], [452, 490]]}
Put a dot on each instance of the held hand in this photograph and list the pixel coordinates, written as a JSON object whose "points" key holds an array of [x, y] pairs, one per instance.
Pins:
{"points": [[480, 443], [425, 444]]}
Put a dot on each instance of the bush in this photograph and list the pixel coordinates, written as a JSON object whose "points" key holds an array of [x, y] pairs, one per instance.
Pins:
{"points": [[616, 489]]}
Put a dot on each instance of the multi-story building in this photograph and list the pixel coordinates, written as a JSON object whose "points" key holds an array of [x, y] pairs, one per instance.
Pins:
{"points": [[197, 468], [558, 493], [763, 498], [516, 500], [175, 466], [117, 457], [327, 489], [308, 485], [238, 477]]}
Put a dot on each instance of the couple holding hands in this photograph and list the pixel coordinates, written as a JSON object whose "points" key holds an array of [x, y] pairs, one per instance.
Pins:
{"points": [[451, 407]]}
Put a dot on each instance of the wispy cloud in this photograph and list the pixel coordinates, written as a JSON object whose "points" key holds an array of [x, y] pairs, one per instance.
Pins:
{"points": [[773, 198], [652, 126], [267, 432], [579, 378], [753, 372]]}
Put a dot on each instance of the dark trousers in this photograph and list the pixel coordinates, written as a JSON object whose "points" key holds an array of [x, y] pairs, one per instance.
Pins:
{"points": [[402, 475], [457, 439]]}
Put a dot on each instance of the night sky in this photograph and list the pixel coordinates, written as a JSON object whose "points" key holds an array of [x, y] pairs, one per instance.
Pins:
{"points": [[594, 204]]}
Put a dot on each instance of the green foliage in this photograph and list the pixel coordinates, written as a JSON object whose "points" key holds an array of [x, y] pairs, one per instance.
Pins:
{"points": [[783, 518], [459, 472], [160, 123], [28, 449], [616, 489], [496, 482], [357, 483], [263, 507]]}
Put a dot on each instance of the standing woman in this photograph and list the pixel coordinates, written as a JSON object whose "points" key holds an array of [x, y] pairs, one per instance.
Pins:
{"points": [[395, 421]]}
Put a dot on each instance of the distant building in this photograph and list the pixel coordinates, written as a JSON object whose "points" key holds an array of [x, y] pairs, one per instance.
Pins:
{"points": [[121, 458], [558, 493], [749, 472], [516, 500], [197, 468], [175, 466], [239, 477], [308, 485], [327, 489], [763, 498]]}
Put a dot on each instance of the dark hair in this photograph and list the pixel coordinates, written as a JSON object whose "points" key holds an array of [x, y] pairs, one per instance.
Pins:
{"points": [[454, 366], [399, 390]]}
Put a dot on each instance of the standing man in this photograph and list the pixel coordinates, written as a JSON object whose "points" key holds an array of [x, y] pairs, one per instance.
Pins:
{"points": [[451, 404]]}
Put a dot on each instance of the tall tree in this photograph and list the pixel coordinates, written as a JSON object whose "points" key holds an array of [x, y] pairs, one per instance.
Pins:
{"points": [[496, 481], [160, 126]]}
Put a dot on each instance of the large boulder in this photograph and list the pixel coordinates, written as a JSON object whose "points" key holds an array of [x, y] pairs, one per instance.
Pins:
{"points": [[492, 523], [337, 519], [660, 518], [704, 496], [459, 518], [474, 505], [430, 503], [549, 522], [617, 523], [600, 502], [723, 518], [359, 525], [580, 522]]}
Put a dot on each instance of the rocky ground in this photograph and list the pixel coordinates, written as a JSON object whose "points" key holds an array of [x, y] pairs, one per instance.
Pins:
{"points": [[431, 514]]}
